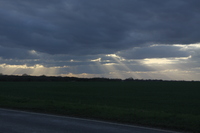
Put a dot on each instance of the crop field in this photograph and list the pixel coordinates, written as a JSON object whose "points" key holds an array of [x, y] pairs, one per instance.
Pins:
{"points": [[164, 104]]}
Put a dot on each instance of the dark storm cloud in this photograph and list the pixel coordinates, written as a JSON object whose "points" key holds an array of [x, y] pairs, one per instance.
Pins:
{"points": [[16, 53], [162, 51], [89, 27]]}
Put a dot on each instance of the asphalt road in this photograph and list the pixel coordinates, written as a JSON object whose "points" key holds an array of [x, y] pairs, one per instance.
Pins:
{"points": [[12, 121]]}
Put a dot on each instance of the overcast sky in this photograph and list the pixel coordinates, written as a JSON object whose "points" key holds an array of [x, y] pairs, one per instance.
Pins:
{"points": [[143, 39]]}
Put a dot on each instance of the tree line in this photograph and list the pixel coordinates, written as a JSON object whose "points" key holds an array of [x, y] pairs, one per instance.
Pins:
{"points": [[29, 78], [26, 77]]}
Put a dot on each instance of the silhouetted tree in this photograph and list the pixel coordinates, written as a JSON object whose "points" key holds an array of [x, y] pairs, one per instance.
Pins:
{"points": [[25, 74], [129, 79]]}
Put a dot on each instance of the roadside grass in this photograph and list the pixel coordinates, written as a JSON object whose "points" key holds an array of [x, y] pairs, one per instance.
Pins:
{"points": [[171, 105]]}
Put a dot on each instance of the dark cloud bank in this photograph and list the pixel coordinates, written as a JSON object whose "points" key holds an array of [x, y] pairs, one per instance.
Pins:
{"points": [[82, 27]]}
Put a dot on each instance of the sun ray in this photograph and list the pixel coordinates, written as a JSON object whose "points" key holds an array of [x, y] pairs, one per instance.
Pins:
{"points": [[122, 63], [167, 67]]}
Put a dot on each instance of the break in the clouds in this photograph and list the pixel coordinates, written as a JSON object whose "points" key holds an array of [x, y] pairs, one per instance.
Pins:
{"points": [[106, 38]]}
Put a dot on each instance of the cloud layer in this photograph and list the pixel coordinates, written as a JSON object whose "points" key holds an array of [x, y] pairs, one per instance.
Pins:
{"points": [[108, 35], [79, 27]]}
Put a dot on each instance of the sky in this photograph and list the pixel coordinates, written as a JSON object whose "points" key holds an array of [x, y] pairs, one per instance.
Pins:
{"points": [[142, 39]]}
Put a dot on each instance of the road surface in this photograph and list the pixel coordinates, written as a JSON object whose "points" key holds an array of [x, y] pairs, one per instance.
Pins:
{"points": [[12, 121]]}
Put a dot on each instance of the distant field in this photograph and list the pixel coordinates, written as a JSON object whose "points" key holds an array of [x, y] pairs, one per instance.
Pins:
{"points": [[174, 105]]}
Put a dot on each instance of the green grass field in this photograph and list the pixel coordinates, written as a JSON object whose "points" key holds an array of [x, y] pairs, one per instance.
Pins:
{"points": [[172, 105]]}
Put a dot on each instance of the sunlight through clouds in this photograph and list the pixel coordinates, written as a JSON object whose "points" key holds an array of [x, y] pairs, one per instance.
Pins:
{"points": [[82, 75], [189, 46], [96, 60], [164, 61], [32, 70], [120, 62], [80, 38], [33, 52], [168, 68]]}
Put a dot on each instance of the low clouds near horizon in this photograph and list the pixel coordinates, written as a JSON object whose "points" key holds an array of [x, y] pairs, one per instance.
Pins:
{"points": [[107, 38]]}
